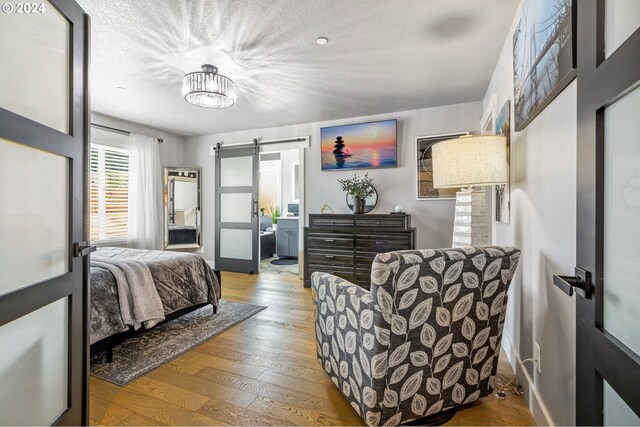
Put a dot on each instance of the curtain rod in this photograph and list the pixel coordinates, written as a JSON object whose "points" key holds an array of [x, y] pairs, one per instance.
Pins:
{"points": [[123, 132]]}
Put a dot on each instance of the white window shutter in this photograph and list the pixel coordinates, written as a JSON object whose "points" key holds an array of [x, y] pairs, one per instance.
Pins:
{"points": [[109, 187]]}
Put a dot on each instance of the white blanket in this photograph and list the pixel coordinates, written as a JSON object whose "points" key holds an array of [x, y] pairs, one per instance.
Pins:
{"points": [[139, 301]]}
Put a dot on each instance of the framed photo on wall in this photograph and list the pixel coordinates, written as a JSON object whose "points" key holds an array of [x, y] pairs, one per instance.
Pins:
{"points": [[503, 191], [424, 168], [370, 145], [544, 61]]}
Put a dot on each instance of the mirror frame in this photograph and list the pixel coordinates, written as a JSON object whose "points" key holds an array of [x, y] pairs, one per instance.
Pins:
{"points": [[367, 207], [165, 197]]}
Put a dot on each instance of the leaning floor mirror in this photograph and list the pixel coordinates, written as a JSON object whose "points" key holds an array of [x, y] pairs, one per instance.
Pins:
{"points": [[182, 212]]}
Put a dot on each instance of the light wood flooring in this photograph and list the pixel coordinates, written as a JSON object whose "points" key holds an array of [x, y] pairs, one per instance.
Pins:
{"points": [[260, 372]]}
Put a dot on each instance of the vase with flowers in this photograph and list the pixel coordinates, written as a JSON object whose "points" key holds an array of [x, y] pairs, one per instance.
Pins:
{"points": [[359, 188]]}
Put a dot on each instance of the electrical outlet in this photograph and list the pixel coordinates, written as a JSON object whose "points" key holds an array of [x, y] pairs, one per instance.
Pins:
{"points": [[537, 355]]}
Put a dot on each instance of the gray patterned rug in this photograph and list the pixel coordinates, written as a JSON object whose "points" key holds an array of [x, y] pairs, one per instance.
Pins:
{"points": [[146, 352]]}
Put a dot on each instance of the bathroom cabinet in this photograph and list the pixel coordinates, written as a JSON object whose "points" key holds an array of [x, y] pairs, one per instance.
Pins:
{"points": [[287, 237]]}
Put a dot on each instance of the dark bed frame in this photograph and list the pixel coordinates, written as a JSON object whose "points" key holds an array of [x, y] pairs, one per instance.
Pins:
{"points": [[107, 344]]}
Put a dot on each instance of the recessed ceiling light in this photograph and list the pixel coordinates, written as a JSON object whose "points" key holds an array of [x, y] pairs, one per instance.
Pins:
{"points": [[322, 40], [122, 88]]}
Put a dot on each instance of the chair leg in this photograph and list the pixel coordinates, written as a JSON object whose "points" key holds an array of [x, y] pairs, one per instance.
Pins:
{"points": [[435, 419]]}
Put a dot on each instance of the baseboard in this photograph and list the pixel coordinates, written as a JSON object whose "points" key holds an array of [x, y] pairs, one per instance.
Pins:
{"points": [[536, 403]]}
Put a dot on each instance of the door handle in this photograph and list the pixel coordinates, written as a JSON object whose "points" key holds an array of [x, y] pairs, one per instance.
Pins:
{"points": [[255, 207], [82, 249], [581, 282]]}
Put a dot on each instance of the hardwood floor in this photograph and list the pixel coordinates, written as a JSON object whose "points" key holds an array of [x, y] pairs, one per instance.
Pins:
{"points": [[260, 372]]}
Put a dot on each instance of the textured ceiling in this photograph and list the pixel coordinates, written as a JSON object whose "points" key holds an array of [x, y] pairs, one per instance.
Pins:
{"points": [[382, 56]]}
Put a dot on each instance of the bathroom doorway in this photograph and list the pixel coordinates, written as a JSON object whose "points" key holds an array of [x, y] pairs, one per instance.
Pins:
{"points": [[281, 223]]}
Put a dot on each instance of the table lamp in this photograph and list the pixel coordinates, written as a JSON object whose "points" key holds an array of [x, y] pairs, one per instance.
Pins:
{"points": [[470, 162]]}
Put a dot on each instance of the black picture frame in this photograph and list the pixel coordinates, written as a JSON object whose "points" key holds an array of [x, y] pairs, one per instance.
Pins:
{"points": [[424, 168], [503, 191], [539, 78], [370, 202]]}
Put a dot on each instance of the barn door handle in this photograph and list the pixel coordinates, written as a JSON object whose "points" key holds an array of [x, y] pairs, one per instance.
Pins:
{"points": [[581, 282], [82, 249]]}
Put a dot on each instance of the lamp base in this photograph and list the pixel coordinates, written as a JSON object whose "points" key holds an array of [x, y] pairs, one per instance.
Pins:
{"points": [[470, 226]]}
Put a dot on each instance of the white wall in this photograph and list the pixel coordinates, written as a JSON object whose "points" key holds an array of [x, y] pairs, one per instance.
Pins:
{"points": [[171, 149], [288, 157], [276, 181], [433, 219], [543, 226], [270, 185]]}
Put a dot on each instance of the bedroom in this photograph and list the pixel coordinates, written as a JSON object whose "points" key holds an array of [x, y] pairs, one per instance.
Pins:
{"points": [[85, 141]]}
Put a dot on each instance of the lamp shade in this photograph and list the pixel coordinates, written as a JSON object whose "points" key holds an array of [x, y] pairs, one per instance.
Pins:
{"points": [[470, 161]]}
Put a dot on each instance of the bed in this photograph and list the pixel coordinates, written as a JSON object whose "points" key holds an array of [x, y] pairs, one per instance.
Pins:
{"points": [[183, 281]]}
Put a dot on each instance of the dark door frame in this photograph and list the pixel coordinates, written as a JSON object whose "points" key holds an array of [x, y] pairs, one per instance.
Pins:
{"points": [[601, 81], [232, 264], [74, 283]]}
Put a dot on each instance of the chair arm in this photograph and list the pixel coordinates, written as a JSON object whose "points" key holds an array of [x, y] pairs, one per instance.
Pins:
{"points": [[348, 305], [352, 342]]}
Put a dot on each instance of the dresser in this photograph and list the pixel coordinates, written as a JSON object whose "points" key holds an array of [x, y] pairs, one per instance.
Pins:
{"points": [[345, 245]]}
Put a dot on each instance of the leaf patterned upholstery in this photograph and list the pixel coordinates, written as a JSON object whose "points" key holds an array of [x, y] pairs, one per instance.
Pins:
{"points": [[426, 337]]}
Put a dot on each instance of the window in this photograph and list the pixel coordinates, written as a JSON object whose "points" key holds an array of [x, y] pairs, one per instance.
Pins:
{"points": [[109, 190]]}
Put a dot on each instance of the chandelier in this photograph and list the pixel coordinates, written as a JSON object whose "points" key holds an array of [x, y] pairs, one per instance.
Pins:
{"points": [[209, 89]]}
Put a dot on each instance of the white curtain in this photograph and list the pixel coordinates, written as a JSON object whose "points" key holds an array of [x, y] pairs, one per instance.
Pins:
{"points": [[145, 193]]}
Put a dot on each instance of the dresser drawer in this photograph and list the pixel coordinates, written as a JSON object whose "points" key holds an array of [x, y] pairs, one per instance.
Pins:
{"points": [[365, 259], [381, 222], [330, 241], [382, 243], [345, 273], [319, 257], [363, 278], [331, 222]]}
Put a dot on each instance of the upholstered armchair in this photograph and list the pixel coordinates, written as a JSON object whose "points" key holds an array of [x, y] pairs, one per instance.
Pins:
{"points": [[426, 337]]}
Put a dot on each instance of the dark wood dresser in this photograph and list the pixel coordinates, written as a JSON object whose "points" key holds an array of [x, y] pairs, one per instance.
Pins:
{"points": [[345, 245]]}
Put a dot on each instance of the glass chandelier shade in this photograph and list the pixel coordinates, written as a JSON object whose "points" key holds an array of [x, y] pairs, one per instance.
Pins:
{"points": [[209, 89]]}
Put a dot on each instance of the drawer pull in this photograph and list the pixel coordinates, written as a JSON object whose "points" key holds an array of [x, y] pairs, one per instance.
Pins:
{"points": [[329, 256], [329, 240], [380, 242]]}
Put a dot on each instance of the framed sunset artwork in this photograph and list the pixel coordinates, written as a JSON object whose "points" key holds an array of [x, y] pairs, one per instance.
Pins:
{"points": [[369, 145]]}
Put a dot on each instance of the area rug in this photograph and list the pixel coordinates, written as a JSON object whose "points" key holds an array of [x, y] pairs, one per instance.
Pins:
{"points": [[146, 352], [284, 261], [285, 270]]}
